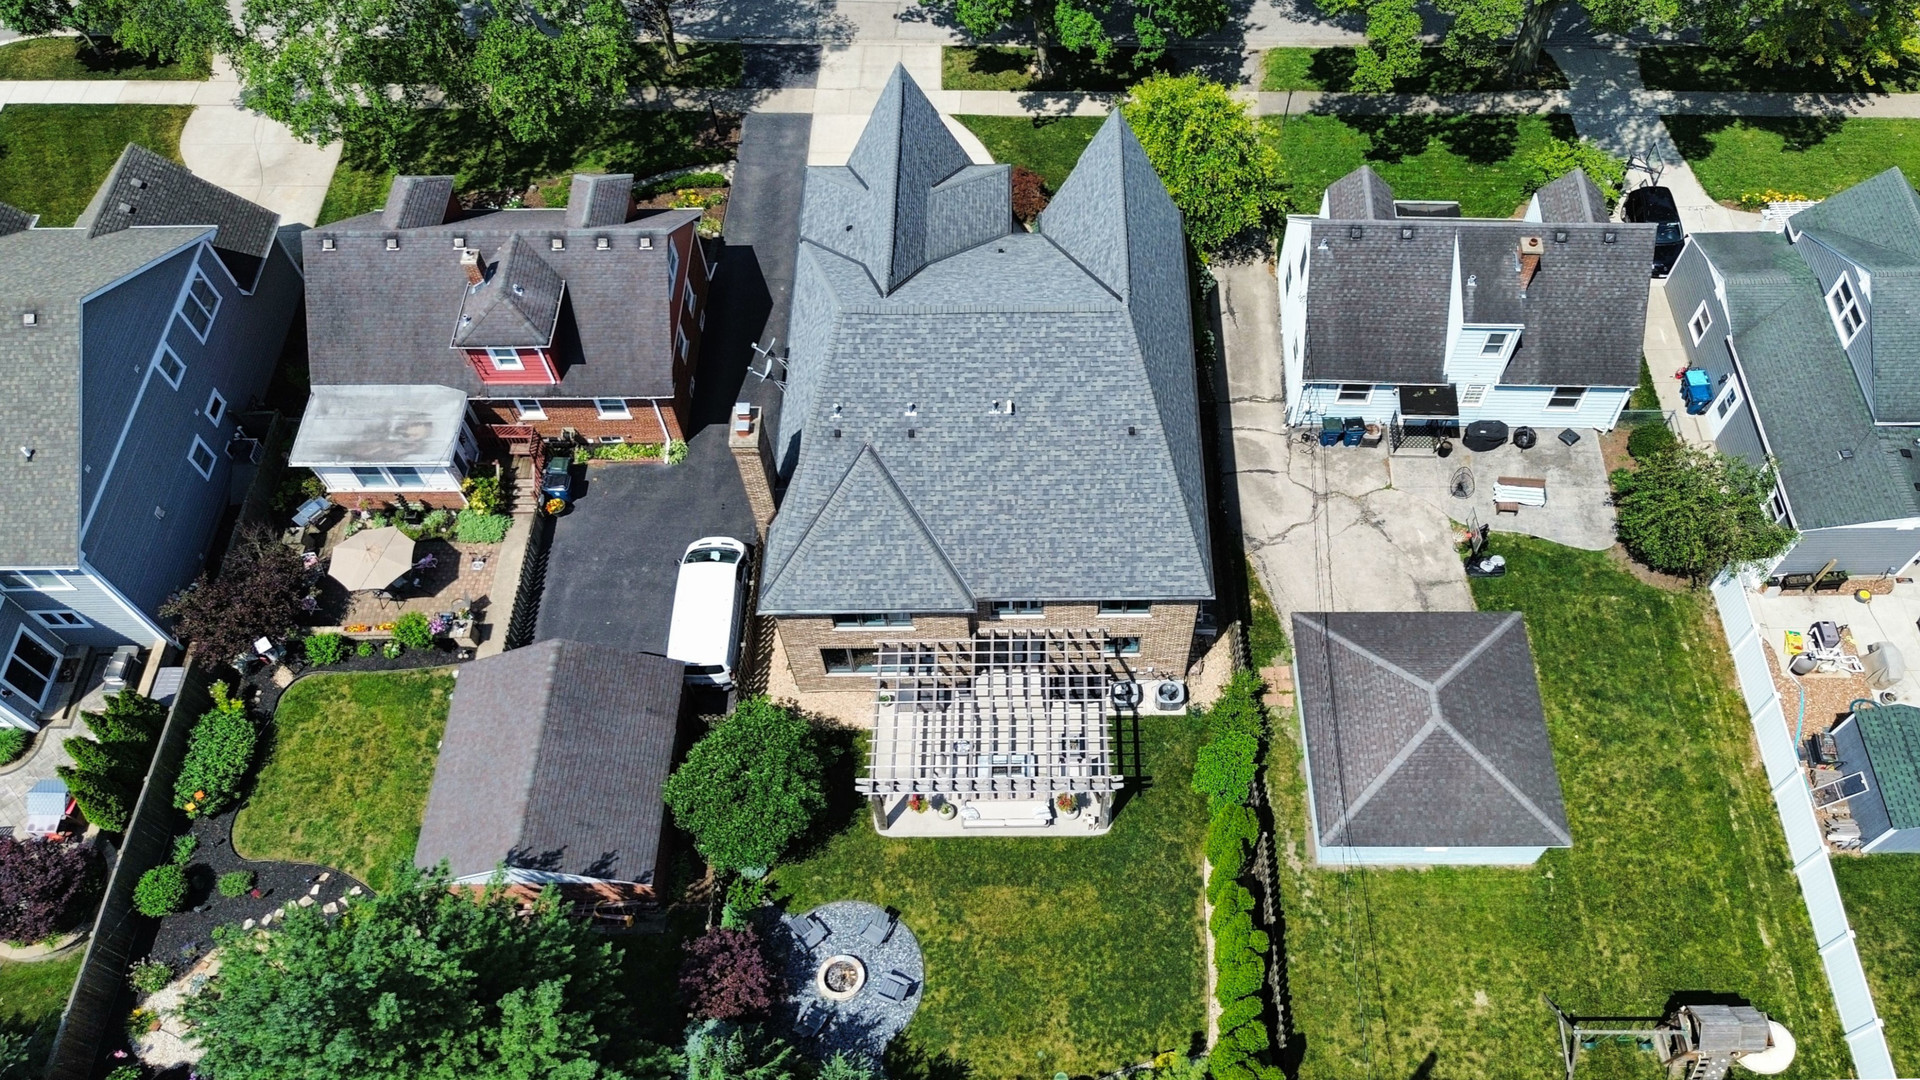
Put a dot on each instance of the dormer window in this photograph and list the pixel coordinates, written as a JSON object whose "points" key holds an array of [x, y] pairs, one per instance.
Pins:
{"points": [[1845, 308], [1494, 345], [506, 360]]}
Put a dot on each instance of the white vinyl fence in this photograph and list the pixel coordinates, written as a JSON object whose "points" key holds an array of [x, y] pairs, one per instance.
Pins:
{"points": [[1851, 998]]}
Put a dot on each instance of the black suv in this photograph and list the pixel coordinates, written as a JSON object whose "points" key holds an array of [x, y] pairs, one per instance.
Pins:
{"points": [[1656, 205]]}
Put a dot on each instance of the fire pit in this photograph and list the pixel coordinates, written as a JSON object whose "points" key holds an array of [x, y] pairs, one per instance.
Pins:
{"points": [[840, 977]]}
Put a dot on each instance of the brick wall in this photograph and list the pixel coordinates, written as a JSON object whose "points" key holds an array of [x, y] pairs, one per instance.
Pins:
{"points": [[1166, 638], [584, 418], [383, 500]]}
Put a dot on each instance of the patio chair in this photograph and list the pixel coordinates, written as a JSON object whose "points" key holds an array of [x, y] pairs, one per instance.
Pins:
{"points": [[808, 930], [813, 1020], [878, 929], [895, 987]]}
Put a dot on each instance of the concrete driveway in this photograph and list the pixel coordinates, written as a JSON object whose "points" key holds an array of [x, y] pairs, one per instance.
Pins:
{"points": [[1578, 511]]}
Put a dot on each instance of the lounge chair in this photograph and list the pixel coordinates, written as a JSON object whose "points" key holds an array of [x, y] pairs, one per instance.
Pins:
{"points": [[894, 986], [878, 929], [808, 930], [812, 1021]]}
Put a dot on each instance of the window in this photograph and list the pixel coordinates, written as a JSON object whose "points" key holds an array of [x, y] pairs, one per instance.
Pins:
{"points": [[680, 343], [216, 409], [200, 305], [1473, 396], [1126, 607], [1494, 345], [1356, 393], [611, 440], [30, 667], [1566, 397], [612, 409], [171, 367], [37, 580], [1702, 319], [1018, 609], [369, 476], [1779, 505], [200, 456], [406, 476], [864, 619], [529, 410], [59, 618], [673, 262], [506, 360], [686, 295], [1728, 401], [849, 661], [1121, 646], [1846, 310]]}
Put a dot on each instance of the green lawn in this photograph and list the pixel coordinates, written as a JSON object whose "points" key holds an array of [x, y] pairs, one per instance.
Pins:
{"points": [[69, 58], [1882, 894], [1678, 879], [345, 783], [1074, 954], [53, 157], [1692, 67], [1472, 159], [1049, 145], [642, 142], [1332, 69], [32, 996], [1810, 156]]}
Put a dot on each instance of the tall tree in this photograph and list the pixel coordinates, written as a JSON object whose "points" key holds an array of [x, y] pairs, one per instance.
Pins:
{"points": [[1081, 26], [1209, 154], [256, 594], [544, 64], [166, 30], [751, 786], [1693, 512], [421, 982]]}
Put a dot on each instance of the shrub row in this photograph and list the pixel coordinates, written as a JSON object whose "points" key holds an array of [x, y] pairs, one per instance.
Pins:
{"points": [[108, 768], [219, 753], [1224, 771]]}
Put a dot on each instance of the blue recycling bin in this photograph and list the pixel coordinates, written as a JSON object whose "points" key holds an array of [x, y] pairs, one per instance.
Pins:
{"points": [[1332, 428], [1696, 389], [1355, 430]]}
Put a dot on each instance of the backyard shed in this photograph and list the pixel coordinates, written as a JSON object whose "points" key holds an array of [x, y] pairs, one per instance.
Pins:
{"points": [[1883, 744], [552, 765], [1426, 742]]}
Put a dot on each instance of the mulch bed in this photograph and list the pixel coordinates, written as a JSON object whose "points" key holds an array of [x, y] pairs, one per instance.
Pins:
{"points": [[183, 938]]}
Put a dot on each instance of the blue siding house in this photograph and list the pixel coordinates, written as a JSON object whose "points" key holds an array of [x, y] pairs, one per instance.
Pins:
{"points": [[1809, 338], [135, 337]]}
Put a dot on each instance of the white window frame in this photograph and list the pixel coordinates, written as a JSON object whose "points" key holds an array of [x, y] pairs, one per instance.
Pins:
{"points": [[1496, 343], [1146, 612], [1346, 394], [1473, 396], [1017, 609], [174, 373], [53, 677], [606, 408], [64, 586], [1579, 396], [1728, 400], [673, 262], [506, 360], [199, 278], [687, 297], [216, 408], [874, 620], [1701, 322], [360, 482], [62, 619], [529, 409], [1840, 308], [213, 460], [680, 344]]}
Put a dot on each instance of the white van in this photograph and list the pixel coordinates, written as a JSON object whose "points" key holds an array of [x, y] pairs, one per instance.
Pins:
{"points": [[707, 610]]}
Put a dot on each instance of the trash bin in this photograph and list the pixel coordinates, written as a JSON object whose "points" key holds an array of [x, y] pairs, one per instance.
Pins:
{"points": [[1332, 428], [1355, 430], [1696, 389]]}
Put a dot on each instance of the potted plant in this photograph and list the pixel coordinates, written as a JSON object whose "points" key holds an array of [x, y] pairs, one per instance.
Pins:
{"points": [[1068, 804], [917, 803], [947, 809]]}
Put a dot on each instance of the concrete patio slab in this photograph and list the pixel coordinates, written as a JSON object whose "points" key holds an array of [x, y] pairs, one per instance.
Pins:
{"points": [[1578, 511]]}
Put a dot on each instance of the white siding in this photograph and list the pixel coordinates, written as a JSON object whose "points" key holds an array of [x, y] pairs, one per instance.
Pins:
{"points": [[1321, 399], [1292, 283], [1517, 405], [1467, 364]]}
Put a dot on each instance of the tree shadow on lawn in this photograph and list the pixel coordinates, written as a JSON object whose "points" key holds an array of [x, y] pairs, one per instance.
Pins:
{"points": [[1483, 140], [1694, 135]]}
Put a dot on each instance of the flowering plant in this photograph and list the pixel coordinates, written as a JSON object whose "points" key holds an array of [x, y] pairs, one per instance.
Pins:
{"points": [[1065, 802], [437, 625]]}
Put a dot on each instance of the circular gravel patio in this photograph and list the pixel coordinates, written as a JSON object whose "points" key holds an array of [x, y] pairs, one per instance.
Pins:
{"points": [[862, 1025]]}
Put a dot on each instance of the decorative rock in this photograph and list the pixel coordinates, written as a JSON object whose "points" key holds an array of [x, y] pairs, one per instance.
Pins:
{"points": [[248, 925], [325, 875], [283, 676], [306, 901], [315, 891], [355, 891], [330, 908]]}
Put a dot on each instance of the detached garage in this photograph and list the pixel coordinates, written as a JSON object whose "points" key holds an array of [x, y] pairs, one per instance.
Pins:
{"points": [[1425, 738]]}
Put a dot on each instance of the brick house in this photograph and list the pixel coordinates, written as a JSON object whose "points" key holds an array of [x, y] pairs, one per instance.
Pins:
{"points": [[988, 431], [430, 328]]}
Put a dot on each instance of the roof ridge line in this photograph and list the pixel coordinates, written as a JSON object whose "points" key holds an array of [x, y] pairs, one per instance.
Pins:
{"points": [[913, 512], [773, 574], [1386, 773], [1473, 654], [1507, 785]]}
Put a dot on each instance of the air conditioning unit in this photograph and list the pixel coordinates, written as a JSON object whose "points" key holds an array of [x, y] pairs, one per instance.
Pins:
{"points": [[1164, 696]]}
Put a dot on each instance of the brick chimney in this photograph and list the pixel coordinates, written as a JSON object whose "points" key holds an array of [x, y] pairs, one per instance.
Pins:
{"points": [[753, 454], [1531, 248], [470, 262]]}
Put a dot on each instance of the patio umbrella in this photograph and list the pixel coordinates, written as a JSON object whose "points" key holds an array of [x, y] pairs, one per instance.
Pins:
{"points": [[371, 559]]}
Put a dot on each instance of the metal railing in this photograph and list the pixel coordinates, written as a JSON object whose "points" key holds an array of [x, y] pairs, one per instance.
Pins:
{"points": [[1852, 998]]}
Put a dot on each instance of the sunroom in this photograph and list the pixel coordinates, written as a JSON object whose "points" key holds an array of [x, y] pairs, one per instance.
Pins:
{"points": [[375, 442]]}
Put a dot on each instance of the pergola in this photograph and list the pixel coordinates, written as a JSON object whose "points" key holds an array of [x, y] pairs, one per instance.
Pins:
{"points": [[1003, 715]]}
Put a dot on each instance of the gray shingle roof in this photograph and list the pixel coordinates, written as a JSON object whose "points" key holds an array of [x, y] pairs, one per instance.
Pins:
{"points": [[1573, 197], [414, 202], [1891, 734], [1377, 304], [553, 759], [1361, 195], [1083, 328], [379, 316], [599, 199], [146, 189], [516, 304], [1876, 223], [13, 219], [1425, 729], [49, 272], [1803, 389]]}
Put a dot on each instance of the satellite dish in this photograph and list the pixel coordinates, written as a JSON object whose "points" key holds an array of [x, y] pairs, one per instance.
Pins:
{"points": [[1776, 1057]]}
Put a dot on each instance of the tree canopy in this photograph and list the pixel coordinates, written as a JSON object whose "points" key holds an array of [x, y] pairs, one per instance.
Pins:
{"points": [[1209, 154], [421, 982], [751, 786], [1558, 157], [1083, 26], [167, 30], [1692, 512]]}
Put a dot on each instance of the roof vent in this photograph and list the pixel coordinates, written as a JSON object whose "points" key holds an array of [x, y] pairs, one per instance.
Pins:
{"points": [[1355, 232], [1131, 430], [459, 241], [557, 243], [326, 243], [137, 184], [126, 208], [1846, 454], [393, 243], [519, 289], [602, 243], [1323, 245], [29, 318], [1472, 280], [1406, 232], [913, 408], [159, 511], [849, 227], [1003, 408], [27, 452], [1905, 453], [1610, 236], [836, 433], [909, 433], [646, 242], [836, 410], [1560, 236]]}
